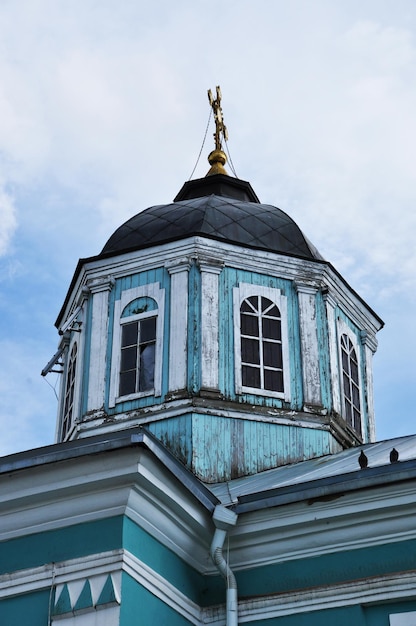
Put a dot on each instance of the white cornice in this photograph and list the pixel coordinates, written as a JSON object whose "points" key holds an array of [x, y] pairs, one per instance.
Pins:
{"points": [[132, 482], [261, 261]]}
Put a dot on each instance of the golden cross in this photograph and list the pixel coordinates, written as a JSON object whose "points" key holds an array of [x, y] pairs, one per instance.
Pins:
{"points": [[220, 127]]}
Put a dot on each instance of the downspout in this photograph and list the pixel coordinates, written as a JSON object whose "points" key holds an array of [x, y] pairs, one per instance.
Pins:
{"points": [[224, 519]]}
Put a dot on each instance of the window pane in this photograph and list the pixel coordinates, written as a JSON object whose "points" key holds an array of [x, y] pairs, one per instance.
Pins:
{"points": [[249, 325], [127, 382], [356, 396], [271, 328], [347, 391], [148, 330], [345, 365], [250, 352], [348, 413], [272, 354], [251, 376], [273, 381], [246, 307], [354, 371], [128, 358], [147, 367], [129, 334], [265, 304], [357, 421], [254, 301]]}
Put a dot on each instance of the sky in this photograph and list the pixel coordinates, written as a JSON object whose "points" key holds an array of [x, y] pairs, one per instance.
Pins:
{"points": [[103, 112]]}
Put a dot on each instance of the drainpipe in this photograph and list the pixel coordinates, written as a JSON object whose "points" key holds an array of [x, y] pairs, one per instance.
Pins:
{"points": [[224, 519]]}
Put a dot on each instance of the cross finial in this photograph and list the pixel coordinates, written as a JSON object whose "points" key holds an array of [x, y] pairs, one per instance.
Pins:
{"points": [[217, 158], [220, 128]]}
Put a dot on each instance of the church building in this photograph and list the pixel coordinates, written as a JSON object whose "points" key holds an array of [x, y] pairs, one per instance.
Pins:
{"points": [[215, 458]]}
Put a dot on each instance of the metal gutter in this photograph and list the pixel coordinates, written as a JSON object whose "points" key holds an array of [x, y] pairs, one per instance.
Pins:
{"points": [[331, 486]]}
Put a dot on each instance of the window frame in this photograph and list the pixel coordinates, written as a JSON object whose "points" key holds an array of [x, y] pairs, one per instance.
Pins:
{"points": [[154, 292], [344, 329], [74, 369], [241, 293]]}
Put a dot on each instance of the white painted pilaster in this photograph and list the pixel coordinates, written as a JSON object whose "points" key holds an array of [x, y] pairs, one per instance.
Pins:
{"points": [[369, 343], [210, 270], [178, 338], [100, 290], [309, 344], [330, 305]]}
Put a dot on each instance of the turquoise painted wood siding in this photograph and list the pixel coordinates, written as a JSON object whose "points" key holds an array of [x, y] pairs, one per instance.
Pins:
{"points": [[221, 448], [157, 275], [230, 278]]}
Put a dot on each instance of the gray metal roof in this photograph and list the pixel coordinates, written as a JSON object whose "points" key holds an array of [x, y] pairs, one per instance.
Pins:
{"points": [[244, 223], [336, 467]]}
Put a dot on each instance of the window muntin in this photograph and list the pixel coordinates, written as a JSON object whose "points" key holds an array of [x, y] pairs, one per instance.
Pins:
{"points": [[261, 344], [261, 341], [69, 392], [351, 383]]}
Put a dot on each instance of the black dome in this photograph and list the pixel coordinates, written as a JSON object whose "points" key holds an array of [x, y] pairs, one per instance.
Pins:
{"points": [[244, 222]]}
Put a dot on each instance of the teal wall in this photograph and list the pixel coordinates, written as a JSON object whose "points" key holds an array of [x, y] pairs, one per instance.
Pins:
{"points": [[328, 569], [31, 609], [141, 608], [138, 604], [57, 545]]}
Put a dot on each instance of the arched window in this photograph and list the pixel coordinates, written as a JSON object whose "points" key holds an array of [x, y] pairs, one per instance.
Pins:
{"points": [[351, 384], [138, 347], [261, 344], [261, 341], [136, 358], [69, 392]]}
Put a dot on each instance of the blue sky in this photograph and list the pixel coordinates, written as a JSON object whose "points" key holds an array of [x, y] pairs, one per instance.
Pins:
{"points": [[103, 110]]}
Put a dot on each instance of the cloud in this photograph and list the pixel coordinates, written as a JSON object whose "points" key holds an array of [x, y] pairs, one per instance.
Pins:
{"points": [[27, 409], [8, 221]]}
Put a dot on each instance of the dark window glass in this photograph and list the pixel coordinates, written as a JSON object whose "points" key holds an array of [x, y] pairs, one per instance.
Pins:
{"points": [[127, 382], [272, 354], [354, 371], [69, 392], [260, 320], [250, 325], [148, 330], [273, 380], [250, 351], [251, 376], [128, 358], [271, 328], [350, 383], [129, 334], [137, 364], [246, 307]]}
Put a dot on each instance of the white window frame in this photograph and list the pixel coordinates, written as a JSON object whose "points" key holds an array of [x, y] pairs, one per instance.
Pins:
{"points": [[344, 329], [241, 293], [153, 291], [73, 345]]}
